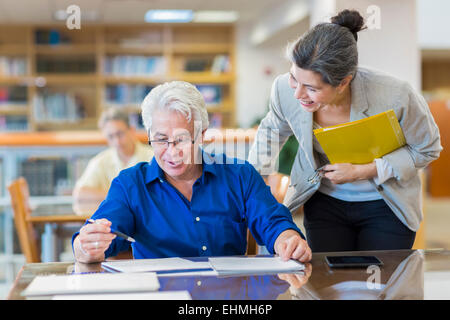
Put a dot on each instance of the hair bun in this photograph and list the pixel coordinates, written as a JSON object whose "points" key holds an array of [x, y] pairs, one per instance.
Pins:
{"points": [[350, 19]]}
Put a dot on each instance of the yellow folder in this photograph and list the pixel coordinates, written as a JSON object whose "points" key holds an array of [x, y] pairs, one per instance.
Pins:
{"points": [[361, 141]]}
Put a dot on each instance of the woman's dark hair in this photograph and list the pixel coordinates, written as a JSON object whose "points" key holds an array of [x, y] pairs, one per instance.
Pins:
{"points": [[330, 48]]}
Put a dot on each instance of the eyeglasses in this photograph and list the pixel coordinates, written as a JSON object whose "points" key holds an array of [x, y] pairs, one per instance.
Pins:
{"points": [[179, 142]]}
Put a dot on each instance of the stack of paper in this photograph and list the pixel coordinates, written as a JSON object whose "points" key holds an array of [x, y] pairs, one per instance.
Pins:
{"points": [[254, 265], [157, 295], [91, 283], [156, 265]]}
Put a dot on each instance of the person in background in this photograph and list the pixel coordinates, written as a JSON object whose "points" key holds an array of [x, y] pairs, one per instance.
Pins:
{"points": [[373, 206], [124, 151], [186, 202]]}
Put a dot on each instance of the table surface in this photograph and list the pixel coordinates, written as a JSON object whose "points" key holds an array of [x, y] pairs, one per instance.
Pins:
{"points": [[405, 274]]}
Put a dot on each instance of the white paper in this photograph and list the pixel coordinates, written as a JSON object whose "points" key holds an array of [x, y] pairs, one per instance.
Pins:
{"points": [[156, 295], [152, 265], [206, 273], [91, 283], [246, 265]]}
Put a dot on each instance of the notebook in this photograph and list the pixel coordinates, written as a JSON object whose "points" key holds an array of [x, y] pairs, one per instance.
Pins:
{"points": [[91, 283], [361, 141]]}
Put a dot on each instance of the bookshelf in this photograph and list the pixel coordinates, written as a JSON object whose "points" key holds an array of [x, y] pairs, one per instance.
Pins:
{"points": [[52, 78]]}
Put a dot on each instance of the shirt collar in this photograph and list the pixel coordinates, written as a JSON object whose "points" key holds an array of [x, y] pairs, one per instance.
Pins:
{"points": [[155, 172], [360, 105]]}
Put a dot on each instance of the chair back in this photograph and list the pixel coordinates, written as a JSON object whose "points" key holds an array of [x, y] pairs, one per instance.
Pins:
{"points": [[28, 239], [278, 184]]}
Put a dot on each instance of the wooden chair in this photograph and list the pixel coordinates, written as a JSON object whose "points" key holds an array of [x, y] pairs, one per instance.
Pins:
{"points": [[278, 184], [25, 222]]}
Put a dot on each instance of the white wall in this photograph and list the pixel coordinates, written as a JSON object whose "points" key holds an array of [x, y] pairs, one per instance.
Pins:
{"points": [[257, 67], [433, 24], [261, 59], [393, 49]]}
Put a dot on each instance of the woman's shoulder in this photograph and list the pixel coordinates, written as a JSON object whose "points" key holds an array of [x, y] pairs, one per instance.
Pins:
{"points": [[383, 89], [377, 78]]}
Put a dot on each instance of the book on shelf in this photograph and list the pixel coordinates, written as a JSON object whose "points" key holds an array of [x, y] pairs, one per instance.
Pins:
{"points": [[10, 123], [53, 176], [212, 94], [362, 141], [45, 176], [125, 94], [196, 65], [57, 107], [221, 64], [136, 120], [215, 119], [67, 65], [50, 37], [2, 185], [134, 65], [12, 66], [13, 95], [217, 64]]}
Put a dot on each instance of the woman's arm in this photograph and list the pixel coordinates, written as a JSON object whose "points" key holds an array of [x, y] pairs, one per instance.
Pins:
{"points": [[272, 133], [423, 143], [347, 172]]}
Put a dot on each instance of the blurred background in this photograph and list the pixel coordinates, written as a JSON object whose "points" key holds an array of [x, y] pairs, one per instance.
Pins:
{"points": [[58, 72]]}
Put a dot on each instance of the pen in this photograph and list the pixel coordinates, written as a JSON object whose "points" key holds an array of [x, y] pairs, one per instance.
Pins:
{"points": [[118, 233]]}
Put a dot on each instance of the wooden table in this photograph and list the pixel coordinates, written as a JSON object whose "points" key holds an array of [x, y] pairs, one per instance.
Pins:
{"points": [[406, 274]]}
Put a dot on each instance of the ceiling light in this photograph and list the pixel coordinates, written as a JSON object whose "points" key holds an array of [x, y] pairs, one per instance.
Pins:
{"points": [[216, 16], [170, 16], [60, 15]]}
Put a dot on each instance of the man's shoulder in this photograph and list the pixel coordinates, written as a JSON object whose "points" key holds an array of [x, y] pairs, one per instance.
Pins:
{"points": [[103, 157], [137, 170], [143, 151], [229, 165]]}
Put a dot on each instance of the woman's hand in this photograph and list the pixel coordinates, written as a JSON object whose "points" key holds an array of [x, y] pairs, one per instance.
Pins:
{"points": [[92, 242], [289, 245], [346, 172]]}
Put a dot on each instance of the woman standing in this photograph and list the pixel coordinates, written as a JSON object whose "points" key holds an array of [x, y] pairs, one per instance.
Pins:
{"points": [[374, 206]]}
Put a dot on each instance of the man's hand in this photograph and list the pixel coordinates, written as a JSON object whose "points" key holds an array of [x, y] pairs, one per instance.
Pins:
{"points": [[92, 242], [289, 245], [297, 280]]}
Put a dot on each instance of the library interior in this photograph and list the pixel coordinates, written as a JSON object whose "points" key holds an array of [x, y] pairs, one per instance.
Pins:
{"points": [[64, 63]]}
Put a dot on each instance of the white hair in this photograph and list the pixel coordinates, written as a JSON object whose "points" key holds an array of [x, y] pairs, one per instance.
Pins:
{"points": [[179, 96]]}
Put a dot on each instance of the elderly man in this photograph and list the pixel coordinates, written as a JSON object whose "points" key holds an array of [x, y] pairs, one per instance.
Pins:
{"points": [[124, 151], [186, 202]]}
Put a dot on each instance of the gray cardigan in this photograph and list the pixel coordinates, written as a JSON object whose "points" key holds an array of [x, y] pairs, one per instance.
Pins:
{"points": [[372, 92]]}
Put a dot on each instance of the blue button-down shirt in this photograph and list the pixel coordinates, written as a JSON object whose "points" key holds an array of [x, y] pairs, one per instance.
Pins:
{"points": [[229, 197]]}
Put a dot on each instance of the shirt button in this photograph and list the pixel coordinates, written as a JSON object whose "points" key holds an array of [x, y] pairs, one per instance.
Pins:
{"points": [[197, 219], [204, 248]]}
